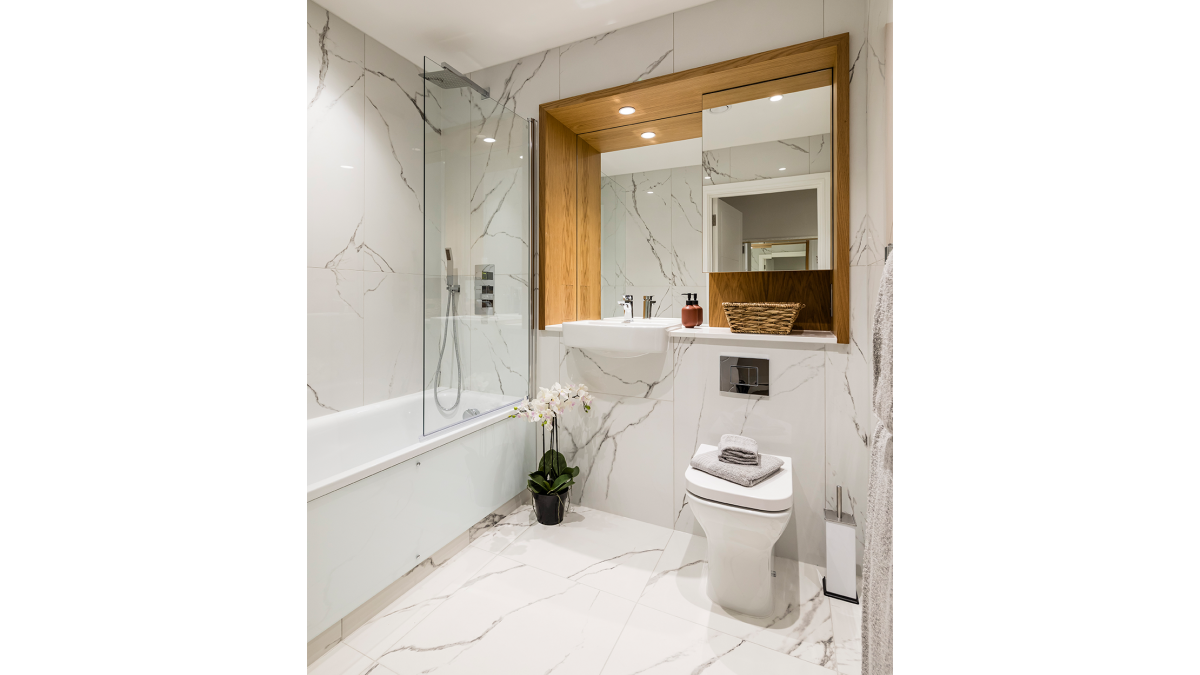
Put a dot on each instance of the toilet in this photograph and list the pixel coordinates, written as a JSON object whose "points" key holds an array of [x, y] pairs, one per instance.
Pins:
{"points": [[742, 525]]}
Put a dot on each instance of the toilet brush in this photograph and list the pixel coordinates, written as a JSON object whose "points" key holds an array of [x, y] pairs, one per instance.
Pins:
{"points": [[840, 580]]}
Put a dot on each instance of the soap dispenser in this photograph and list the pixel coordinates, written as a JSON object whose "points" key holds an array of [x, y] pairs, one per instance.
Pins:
{"points": [[693, 313]]}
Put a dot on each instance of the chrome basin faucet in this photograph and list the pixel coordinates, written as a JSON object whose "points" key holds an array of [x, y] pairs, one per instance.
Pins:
{"points": [[627, 305]]}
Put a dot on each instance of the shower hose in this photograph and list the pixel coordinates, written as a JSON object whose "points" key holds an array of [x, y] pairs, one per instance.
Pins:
{"points": [[451, 327]]}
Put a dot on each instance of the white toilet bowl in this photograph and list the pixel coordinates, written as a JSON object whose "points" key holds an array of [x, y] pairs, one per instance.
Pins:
{"points": [[742, 525]]}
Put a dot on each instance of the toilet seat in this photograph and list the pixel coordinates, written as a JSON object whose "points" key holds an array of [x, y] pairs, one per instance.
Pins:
{"points": [[772, 494]]}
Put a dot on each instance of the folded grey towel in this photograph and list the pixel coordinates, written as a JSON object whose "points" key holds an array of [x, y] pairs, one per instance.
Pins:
{"points": [[742, 444], [736, 449], [748, 476]]}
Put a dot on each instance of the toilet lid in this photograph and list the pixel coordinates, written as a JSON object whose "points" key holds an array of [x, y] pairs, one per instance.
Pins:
{"points": [[772, 494]]}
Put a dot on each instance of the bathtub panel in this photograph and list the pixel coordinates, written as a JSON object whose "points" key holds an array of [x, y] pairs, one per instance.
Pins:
{"points": [[368, 534]]}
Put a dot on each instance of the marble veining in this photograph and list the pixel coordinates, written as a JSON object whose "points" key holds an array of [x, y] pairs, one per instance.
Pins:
{"points": [[599, 594]]}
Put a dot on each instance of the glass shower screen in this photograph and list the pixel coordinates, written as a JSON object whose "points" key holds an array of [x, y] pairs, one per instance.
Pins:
{"points": [[477, 238]]}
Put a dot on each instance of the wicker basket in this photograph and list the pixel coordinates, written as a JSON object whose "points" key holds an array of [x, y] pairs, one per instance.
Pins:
{"points": [[775, 318]]}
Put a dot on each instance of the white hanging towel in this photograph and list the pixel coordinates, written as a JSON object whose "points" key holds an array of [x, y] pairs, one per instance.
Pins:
{"points": [[877, 553]]}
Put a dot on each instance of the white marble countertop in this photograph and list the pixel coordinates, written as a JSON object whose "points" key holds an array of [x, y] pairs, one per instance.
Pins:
{"points": [[705, 332]]}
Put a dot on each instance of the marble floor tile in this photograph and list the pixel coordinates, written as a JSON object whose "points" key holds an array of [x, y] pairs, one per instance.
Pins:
{"points": [[514, 618], [375, 636], [494, 535], [343, 660], [597, 549], [847, 636], [654, 642], [799, 627]]}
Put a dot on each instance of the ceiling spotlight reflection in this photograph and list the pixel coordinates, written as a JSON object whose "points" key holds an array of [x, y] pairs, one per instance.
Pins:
{"points": [[347, 166], [783, 168], [648, 134], [627, 110], [776, 97], [489, 140]]}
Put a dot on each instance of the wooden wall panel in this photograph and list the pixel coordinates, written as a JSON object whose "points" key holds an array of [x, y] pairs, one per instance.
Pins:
{"points": [[588, 230], [841, 192], [680, 93], [557, 260], [810, 288], [753, 92], [630, 136]]}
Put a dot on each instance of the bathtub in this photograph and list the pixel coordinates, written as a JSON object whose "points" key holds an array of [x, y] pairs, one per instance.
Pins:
{"points": [[382, 497], [350, 445]]}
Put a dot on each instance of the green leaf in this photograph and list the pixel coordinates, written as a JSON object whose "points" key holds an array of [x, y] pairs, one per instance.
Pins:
{"points": [[562, 483], [536, 479], [574, 471]]}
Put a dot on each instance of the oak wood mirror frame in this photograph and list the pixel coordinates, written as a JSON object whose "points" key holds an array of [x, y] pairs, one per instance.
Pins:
{"points": [[573, 132]]}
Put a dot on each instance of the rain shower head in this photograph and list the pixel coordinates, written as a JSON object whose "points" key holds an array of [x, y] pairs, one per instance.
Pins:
{"points": [[452, 79]]}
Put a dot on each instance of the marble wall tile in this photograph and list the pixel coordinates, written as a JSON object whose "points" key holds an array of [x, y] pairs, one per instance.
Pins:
{"points": [[726, 29], [524, 84], [500, 343], [646, 376], [868, 241], [623, 450], [335, 340], [648, 253], [548, 358], [716, 167], [763, 161], [820, 153], [850, 16], [631, 54], [687, 242], [336, 103], [500, 219], [394, 178], [391, 335], [612, 235], [790, 422], [668, 300]]}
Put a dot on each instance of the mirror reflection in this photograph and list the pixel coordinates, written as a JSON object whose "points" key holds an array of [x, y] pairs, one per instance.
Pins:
{"points": [[650, 233], [766, 165]]}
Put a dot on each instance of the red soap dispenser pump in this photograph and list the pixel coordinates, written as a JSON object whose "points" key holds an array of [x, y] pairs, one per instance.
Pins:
{"points": [[693, 313]]}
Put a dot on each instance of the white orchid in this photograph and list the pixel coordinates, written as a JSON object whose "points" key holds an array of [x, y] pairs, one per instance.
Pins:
{"points": [[553, 402]]}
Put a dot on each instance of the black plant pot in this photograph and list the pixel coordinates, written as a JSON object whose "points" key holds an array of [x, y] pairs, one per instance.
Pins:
{"points": [[550, 508]]}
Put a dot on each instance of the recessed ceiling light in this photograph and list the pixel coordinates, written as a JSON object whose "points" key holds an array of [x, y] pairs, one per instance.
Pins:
{"points": [[627, 110], [708, 178], [347, 166], [649, 192], [776, 97], [783, 168], [719, 110], [648, 134], [521, 157], [489, 140]]}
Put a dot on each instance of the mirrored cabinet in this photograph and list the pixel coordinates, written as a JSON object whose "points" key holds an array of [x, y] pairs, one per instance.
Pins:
{"points": [[730, 181]]}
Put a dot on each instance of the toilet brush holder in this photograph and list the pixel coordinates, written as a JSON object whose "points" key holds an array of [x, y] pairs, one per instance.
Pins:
{"points": [[841, 581]]}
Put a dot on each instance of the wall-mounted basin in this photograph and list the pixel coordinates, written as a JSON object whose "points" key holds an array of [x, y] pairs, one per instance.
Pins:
{"points": [[615, 337]]}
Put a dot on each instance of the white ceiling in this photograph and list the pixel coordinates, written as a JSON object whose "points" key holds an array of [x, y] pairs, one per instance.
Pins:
{"points": [[799, 114], [475, 34], [651, 157]]}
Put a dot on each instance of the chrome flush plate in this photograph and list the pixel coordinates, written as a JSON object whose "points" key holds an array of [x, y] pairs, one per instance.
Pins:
{"points": [[745, 375]]}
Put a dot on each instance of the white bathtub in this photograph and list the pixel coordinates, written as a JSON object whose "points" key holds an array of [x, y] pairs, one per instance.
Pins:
{"points": [[382, 497], [350, 445]]}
